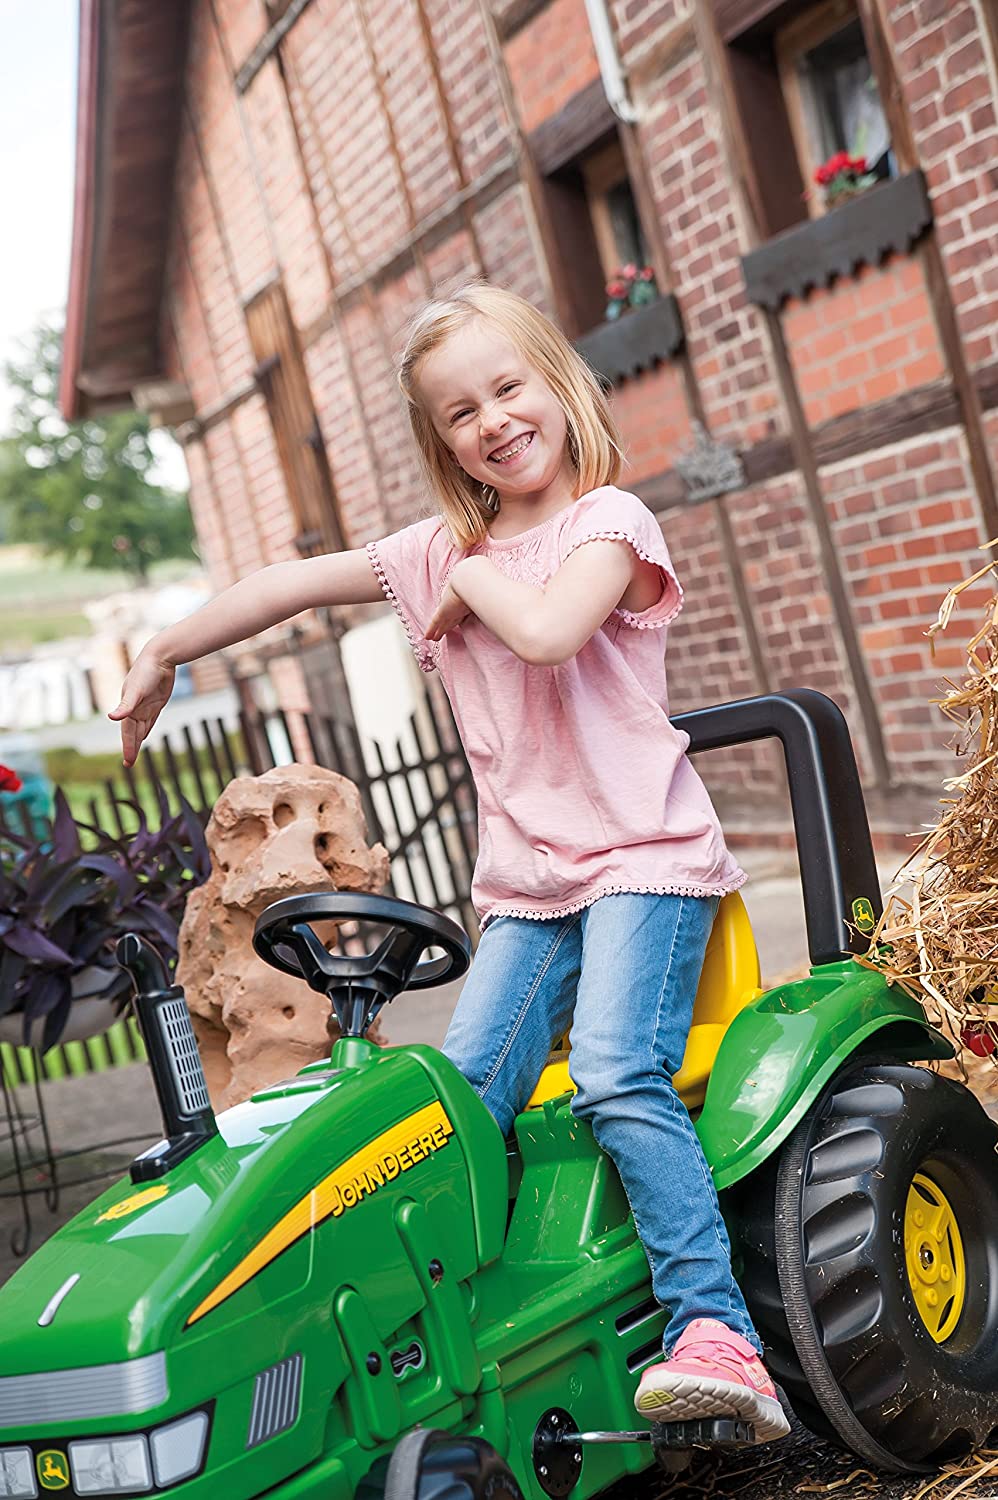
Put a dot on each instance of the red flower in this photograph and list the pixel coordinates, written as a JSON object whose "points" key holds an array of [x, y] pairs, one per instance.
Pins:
{"points": [[646, 274], [841, 162], [9, 780], [629, 271], [616, 289]]}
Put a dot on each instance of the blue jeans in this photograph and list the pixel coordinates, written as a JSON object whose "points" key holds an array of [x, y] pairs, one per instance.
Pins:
{"points": [[623, 974]]}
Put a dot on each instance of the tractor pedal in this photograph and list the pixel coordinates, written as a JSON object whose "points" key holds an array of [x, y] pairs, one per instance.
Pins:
{"points": [[705, 1432]]}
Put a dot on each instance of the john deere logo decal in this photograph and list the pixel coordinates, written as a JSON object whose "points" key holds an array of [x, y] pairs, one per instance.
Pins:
{"points": [[399, 1149], [136, 1200], [53, 1470], [863, 915]]}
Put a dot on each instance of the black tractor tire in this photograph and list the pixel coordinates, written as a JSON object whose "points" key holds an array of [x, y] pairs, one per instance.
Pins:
{"points": [[432, 1465], [822, 1233]]}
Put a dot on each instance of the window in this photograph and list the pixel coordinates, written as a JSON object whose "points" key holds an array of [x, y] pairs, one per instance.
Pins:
{"points": [[281, 373], [597, 227], [591, 217], [831, 94], [805, 90], [619, 237]]}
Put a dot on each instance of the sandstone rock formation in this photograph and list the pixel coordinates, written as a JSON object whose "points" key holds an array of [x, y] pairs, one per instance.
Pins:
{"points": [[294, 830]]}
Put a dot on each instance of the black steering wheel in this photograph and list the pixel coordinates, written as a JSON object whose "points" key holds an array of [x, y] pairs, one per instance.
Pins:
{"points": [[358, 986]]}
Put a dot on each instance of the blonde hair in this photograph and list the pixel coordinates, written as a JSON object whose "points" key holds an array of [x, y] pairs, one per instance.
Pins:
{"points": [[593, 439]]}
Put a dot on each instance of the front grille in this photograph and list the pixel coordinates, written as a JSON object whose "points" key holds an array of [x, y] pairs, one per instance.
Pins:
{"points": [[178, 1034], [57, 1396], [276, 1397]]}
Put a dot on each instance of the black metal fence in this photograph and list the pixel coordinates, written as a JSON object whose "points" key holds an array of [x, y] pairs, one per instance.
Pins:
{"points": [[417, 795]]}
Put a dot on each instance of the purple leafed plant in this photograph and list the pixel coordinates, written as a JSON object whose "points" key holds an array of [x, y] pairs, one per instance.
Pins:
{"points": [[63, 907]]}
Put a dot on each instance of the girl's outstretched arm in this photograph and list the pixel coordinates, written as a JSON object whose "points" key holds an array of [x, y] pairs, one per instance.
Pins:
{"points": [[548, 626], [253, 604]]}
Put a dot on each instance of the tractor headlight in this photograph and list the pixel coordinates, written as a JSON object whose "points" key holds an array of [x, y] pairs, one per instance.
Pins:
{"points": [[111, 1466], [17, 1474], [178, 1447]]}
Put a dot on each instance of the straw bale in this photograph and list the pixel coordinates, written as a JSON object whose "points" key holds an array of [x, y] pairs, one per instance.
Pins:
{"points": [[938, 935]]}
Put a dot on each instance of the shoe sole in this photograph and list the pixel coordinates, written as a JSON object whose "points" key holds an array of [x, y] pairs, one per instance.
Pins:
{"points": [[688, 1398]]}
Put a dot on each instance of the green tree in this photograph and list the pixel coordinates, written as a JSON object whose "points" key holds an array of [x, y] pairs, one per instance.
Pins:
{"points": [[81, 490]]}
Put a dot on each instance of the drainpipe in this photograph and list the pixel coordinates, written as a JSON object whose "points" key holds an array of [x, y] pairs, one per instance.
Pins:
{"points": [[612, 74]]}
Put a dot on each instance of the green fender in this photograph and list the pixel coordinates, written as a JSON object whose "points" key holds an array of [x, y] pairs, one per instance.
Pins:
{"points": [[780, 1051]]}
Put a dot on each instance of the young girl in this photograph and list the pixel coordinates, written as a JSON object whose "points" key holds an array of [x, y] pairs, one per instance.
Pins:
{"points": [[541, 594]]}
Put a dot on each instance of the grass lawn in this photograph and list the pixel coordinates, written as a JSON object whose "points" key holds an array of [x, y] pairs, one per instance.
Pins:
{"points": [[84, 779], [41, 599]]}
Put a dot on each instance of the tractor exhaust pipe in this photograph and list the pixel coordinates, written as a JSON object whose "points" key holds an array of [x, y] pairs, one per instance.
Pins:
{"points": [[165, 1023]]}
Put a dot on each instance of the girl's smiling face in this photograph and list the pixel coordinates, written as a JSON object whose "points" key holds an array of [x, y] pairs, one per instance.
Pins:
{"points": [[497, 416]]}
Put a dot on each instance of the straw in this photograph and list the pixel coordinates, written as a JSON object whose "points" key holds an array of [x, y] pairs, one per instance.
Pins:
{"points": [[940, 944]]}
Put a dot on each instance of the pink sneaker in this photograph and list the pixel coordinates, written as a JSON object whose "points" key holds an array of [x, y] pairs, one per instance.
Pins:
{"points": [[712, 1372]]}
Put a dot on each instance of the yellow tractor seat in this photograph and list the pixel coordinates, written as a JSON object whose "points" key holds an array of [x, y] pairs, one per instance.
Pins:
{"points": [[729, 981]]}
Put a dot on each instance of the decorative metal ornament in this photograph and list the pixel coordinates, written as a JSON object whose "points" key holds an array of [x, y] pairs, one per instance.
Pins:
{"points": [[709, 468]]}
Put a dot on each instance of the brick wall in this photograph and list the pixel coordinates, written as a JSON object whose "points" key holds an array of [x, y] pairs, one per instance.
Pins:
{"points": [[510, 250], [949, 81], [349, 440], [907, 529], [640, 23], [654, 420], [551, 59], [864, 339], [695, 199], [709, 661], [328, 169], [777, 541], [218, 158]]}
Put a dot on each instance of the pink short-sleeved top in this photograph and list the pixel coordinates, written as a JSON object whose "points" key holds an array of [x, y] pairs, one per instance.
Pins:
{"points": [[584, 787]]}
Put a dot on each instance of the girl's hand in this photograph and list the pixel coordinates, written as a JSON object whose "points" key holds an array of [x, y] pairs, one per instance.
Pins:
{"points": [[449, 612], [145, 692]]}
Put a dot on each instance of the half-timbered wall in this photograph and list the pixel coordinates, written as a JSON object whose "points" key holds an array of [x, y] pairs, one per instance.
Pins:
{"points": [[359, 153]]}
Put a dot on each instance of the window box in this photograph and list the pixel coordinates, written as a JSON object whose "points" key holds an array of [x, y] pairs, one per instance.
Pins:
{"points": [[636, 341], [884, 219]]}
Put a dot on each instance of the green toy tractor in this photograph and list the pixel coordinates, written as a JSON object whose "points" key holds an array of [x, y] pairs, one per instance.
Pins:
{"points": [[352, 1288]]}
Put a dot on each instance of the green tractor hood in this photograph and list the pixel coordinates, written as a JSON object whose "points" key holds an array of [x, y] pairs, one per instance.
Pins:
{"points": [[226, 1232]]}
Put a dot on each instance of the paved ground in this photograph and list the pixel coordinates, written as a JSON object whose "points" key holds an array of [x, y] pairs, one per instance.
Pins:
{"points": [[121, 1105]]}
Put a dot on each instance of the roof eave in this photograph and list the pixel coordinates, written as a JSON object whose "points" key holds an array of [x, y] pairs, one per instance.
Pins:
{"points": [[84, 204]]}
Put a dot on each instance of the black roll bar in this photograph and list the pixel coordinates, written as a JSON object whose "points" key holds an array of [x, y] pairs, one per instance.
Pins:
{"points": [[838, 869]]}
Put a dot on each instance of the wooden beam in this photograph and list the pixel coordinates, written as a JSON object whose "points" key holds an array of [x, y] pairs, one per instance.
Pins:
{"points": [[284, 71], [671, 48], [585, 119], [268, 44], [717, 63], [721, 84], [876, 29], [665, 52], [516, 16], [219, 226], [453, 146], [735, 18], [437, 226], [989, 12], [854, 434]]}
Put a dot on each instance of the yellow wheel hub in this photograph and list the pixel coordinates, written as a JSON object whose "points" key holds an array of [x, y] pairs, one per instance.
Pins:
{"points": [[933, 1252]]}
